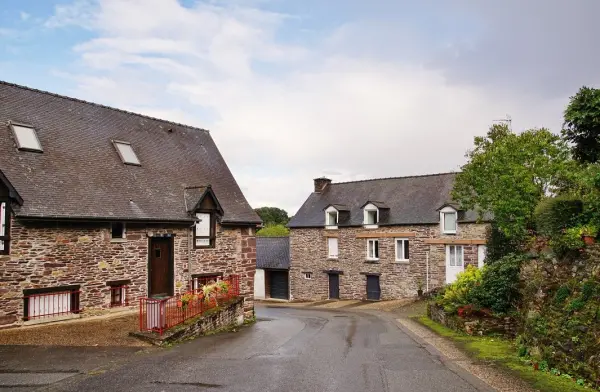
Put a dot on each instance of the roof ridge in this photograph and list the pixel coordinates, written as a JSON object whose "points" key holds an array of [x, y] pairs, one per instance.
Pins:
{"points": [[99, 105], [394, 178]]}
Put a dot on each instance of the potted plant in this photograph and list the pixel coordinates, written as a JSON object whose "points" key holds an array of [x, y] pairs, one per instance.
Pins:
{"points": [[588, 233], [420, 288]]}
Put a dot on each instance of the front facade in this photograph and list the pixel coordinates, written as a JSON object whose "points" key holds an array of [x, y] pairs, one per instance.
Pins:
{"points": [[381, 239], [100, 207], [272, 268]]}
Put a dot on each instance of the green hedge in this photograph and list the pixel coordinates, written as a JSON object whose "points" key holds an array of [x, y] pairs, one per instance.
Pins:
{"points": [[553, 215]]}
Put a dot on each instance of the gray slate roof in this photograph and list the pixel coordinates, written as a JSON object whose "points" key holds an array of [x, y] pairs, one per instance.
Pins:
{"points": [[80, 174], [273, 252], [411, 200]]}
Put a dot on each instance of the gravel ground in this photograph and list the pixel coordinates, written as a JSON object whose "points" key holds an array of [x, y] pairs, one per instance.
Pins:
{"points": [[93, 332], [494, 377]]}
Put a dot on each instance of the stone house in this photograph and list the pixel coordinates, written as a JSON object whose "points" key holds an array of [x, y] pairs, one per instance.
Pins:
{"points": [[100, 207], [272, 268], [381, 239]]}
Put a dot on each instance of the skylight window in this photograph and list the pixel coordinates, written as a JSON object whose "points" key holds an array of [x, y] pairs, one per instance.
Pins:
{"points": [[26, 137], [126, 153]]}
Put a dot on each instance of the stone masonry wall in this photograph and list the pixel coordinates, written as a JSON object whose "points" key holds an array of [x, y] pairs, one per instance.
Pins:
{"points": [[308, 253], [45, 255]]}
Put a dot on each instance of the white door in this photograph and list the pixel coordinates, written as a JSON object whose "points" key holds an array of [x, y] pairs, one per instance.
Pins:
{"points": [[454, 262], [481, 252]]}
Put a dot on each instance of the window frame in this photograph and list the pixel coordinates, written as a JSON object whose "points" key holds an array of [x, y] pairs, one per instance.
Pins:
{"points": [[449, 255], [19, 146], [201, 280], [367, 211], [123, 237], [125, 162], [330, 212], [443, 212], [337, 245], [212, 230], [404, 259], [376, 254], [6, 237], [308, 275]]}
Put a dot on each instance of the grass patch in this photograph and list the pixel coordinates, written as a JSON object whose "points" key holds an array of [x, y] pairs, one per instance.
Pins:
{"points": [[503, 353]]}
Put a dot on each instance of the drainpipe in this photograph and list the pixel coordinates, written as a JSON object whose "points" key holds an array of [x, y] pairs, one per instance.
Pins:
{"points": [[427, 271]]}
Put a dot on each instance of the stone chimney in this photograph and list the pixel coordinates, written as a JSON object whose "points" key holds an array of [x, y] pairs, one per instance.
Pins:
{"points": [[321, 183]]}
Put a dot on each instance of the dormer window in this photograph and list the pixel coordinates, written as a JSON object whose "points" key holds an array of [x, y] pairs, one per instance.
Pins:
{"points": [[371, 216], [4, 227], [26, 137], [126, 153], [204, 230], [448, 220], [331, 218]]}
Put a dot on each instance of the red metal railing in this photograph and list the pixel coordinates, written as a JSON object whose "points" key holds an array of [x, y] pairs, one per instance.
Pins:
{"points": [[47, 305], [198, 281], [158, 315], [119, 296]]}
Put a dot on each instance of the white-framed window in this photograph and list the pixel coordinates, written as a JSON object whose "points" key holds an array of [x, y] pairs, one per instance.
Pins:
{"points": [[456, 255], [308, 275], [4, 227], [204, 230], [26, 137], [332, 248], [126, 153], [448, 220], [402, 249], [371, 215], [372, 249], [331, 218], [118, 231]]}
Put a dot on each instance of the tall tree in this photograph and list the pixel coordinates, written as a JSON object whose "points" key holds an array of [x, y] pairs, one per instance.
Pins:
{"points": [[273, 231], [582, 124], [272, 216], [507, 174]]}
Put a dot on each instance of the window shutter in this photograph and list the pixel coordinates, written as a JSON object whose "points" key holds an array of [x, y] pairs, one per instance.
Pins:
{"points": [[203, 226], [333, 247], [3, 223]]}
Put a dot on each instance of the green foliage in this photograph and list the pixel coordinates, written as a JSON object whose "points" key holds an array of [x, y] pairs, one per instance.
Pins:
{"points": [[555, 214], [568, 242], [576, 304], [460, 293], [586, 184], [507, 174], [562, 294], [499, 288], [588, 290], [582, 124], [500, 245], [272, 216], [273, 231]]}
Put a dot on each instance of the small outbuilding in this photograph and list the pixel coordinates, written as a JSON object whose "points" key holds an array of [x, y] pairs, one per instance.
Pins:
{"points": [[272, 268]]}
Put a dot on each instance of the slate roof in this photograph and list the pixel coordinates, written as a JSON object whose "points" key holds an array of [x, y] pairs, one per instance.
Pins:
{"points": [[80, 175], [273, 252], [411, 200]]}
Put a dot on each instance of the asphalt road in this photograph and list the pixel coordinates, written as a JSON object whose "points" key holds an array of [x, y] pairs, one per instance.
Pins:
{"points": [[288, 349]]}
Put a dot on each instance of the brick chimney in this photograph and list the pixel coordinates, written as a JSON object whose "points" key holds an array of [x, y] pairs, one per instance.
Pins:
{"points": [[321, 183]]}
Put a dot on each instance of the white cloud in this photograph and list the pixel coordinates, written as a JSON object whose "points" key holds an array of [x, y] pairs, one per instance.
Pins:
{"points": [[24, 16], [283, 114]]}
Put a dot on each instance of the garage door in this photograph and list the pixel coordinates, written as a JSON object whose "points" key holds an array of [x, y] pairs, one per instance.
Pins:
{"points": [[279, 284]]}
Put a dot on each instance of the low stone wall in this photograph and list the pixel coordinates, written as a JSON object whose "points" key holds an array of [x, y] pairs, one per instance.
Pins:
{"points": [[228, 315], [506, 326]]}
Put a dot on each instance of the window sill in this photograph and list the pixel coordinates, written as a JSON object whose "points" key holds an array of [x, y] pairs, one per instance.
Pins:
{"points": [[118, 240], [369, 226], [331, 227], [449, 232], [372, 261], [402, 262], [332, 258]]}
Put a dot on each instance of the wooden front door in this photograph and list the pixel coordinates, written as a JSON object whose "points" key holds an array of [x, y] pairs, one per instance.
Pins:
{"points": [[334, 286], [160, 267], [373, 288]]}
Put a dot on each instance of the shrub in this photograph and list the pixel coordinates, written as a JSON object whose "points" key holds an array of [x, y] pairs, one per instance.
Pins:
{"points": [[460, 293], [273, 231], [562, 293], [500, 245], [499, 288], [588, 290], [568, 242], [553, 215]]}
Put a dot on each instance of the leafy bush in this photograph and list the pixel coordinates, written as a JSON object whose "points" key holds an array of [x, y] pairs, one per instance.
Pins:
{"points": [[273, 231], [499, 288], [588, 290], [460, 293], [562, 293], [553, 215], [500, 245], [567, 242]]}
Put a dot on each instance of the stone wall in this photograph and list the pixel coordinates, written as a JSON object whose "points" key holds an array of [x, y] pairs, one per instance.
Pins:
{"points": [[308, 253], [506, 326], [45, 255]]}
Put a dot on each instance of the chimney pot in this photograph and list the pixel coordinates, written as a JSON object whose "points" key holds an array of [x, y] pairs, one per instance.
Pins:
{"points": [[321, 183]]}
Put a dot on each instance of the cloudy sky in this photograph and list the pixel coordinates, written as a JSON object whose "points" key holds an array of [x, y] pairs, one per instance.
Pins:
{"points": [[292, 90]]}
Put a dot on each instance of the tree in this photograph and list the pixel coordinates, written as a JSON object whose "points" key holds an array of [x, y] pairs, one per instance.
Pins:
{"points": [[507, 174], [582, 124], [273, 231], [273, 216]]}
